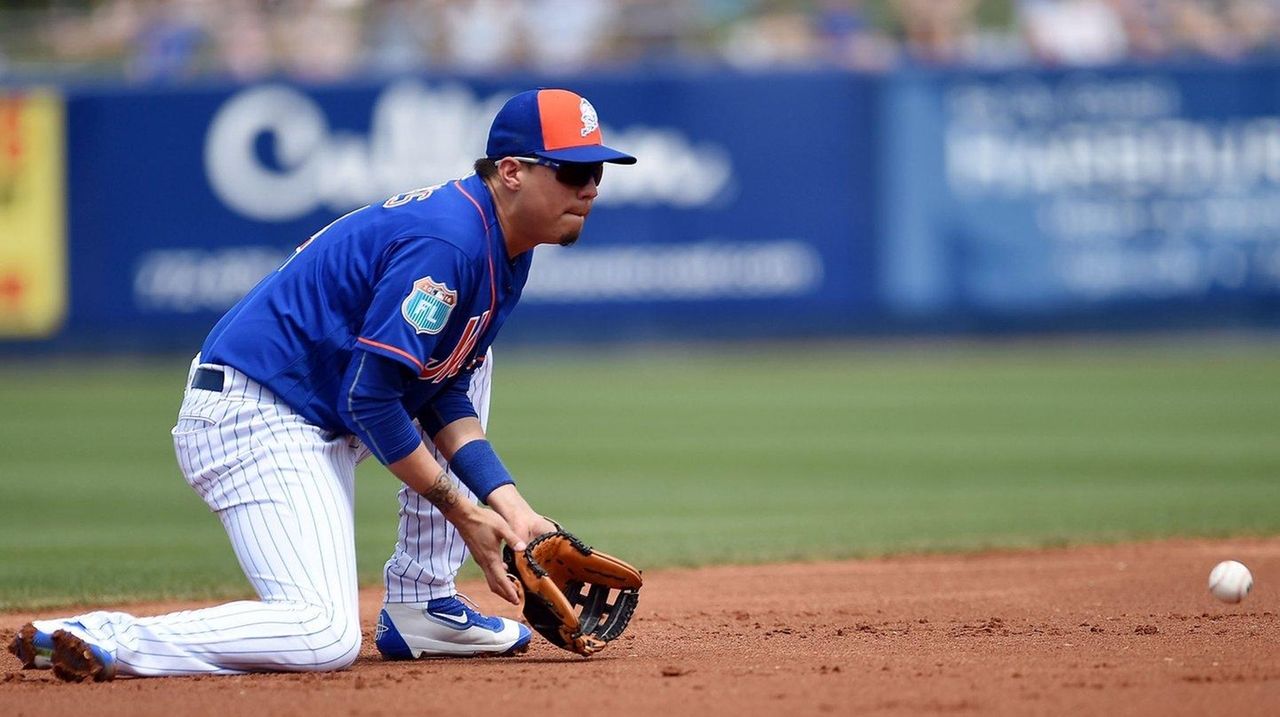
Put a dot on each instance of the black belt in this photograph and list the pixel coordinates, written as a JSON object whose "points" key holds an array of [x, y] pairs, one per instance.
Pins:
{"points": [[208, 379]]}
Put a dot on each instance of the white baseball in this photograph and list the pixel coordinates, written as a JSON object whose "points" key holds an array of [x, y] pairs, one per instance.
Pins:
{"points": [[1230, 581]]}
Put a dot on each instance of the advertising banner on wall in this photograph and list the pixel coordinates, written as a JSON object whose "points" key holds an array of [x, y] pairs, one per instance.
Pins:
{"points": [[33, 289], [748, 212], [763, 206], [1050, 192]]}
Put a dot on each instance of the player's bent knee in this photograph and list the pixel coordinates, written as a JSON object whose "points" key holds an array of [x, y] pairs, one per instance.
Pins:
{"points": [[349, 646], [332, 642], [337, 647]]}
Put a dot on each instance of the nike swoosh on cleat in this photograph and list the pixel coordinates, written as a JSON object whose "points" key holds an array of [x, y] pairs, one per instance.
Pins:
{"points": [[460, 619]]}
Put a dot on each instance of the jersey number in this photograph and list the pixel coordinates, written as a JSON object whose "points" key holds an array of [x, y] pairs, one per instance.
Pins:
{"points": [[416, 195]]}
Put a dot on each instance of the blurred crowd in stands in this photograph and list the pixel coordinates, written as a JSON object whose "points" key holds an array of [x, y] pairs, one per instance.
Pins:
{"points": [[183, 40]]}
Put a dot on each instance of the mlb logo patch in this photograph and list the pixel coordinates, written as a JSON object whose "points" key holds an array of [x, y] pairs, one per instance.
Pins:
{"points": [[428, 306]]}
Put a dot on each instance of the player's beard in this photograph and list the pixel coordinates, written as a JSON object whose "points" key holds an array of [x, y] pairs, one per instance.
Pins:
{"points": [[569, 238]]}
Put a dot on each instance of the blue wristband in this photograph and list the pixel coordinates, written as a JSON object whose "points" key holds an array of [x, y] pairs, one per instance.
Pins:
{"points": [[480, 469]]}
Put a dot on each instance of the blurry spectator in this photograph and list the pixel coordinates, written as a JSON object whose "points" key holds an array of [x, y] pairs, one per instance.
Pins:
{"points": [[1073, 32], [662, 31], [936, 31], [849, 37], [168, 41], [1200, 29], [1256, 23], [567, 34], [241, 41], [243, 46], [320, 39], [403, 35], [1147, 25], [104, 32], [171, 40], [778, 35], [483, 34]]}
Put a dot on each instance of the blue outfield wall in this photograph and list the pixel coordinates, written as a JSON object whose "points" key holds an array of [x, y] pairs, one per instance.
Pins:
{"points": [[762, 206]]}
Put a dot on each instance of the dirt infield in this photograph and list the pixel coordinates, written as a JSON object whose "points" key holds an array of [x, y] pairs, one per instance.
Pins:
{"points": [[1118, 630]]}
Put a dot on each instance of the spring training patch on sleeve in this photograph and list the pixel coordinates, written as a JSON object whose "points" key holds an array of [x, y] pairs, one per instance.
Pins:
{"points": [[428, 305]]}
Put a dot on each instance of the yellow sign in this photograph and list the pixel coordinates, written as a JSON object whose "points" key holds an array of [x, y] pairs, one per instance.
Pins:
{"points": [[33, 253]]}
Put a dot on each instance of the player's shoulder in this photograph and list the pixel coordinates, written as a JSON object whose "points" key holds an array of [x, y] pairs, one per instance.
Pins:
{"points": [[449, 212]]}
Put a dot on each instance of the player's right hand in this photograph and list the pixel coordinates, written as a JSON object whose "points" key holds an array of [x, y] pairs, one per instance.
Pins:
{"points": [[484, 532]]}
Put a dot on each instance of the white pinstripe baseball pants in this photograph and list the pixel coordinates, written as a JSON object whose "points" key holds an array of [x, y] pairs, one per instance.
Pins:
{"points": [[284, 490]]}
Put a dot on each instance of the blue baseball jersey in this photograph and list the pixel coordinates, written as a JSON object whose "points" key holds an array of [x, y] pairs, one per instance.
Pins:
{"points": [[422, 279]]}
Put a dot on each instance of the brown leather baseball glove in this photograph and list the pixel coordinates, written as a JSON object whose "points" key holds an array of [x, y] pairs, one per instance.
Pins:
{"points": [[566, 588]]}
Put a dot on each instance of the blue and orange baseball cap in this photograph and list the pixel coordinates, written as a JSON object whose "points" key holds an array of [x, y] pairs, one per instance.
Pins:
{"points": [[553, 124]]}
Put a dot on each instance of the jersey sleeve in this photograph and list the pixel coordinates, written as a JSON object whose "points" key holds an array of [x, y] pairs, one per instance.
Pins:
{"points": [[370, 406], [448, 406], [421, 282]]}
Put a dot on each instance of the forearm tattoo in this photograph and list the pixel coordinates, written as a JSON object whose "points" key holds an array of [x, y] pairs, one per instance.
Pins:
{"points": [[444, 494]]}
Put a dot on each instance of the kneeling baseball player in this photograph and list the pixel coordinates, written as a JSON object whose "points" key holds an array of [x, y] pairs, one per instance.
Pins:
{"points": [[372, 338]]}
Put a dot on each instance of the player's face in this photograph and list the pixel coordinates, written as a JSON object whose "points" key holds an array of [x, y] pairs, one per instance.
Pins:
{"points": [[560, 198]]}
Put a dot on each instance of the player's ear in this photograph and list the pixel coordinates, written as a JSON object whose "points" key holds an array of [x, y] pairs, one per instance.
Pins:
{"points": [[509, 173]]}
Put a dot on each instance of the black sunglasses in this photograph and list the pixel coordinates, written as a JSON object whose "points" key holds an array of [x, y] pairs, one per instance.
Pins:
{"points": [[572, 174]]}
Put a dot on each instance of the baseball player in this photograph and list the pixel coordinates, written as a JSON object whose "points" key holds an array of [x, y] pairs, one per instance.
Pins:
{"points": [[372, 338]]}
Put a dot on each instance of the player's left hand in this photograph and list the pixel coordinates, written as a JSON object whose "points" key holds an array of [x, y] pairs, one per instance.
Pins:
{"points": [[538, 525]]}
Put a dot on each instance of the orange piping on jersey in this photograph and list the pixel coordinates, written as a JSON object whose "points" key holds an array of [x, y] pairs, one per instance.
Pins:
{"points": [[474, 203], [488, 245], [394, 350]]}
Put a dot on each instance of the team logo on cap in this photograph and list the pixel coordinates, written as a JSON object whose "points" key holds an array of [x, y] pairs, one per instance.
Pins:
{"points": [[589, 119], [428, 306]]}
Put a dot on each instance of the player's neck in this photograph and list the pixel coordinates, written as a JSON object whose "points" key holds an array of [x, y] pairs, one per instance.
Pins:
{"points": [[515, 243]]}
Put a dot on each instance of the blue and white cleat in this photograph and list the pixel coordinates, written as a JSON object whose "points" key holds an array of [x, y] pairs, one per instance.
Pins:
{"points": [[445, 627], [33, 648], [78, 660]]}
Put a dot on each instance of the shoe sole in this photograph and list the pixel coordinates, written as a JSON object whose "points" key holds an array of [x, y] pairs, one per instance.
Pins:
{"points": [[513, 651], [24, 648], [75, 661]]}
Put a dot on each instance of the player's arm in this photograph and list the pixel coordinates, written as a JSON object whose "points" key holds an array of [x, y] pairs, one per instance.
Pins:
{"points": [[472, 458], [451, 421], [482, 530], [392, 347], [371, 391]]}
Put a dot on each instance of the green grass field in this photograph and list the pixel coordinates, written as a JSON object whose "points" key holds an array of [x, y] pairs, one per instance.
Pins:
{"points": [[739, 454]]}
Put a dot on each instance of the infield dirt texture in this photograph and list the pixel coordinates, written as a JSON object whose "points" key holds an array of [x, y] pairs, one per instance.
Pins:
{"points": [[1116, 630], [1050, 515]]}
